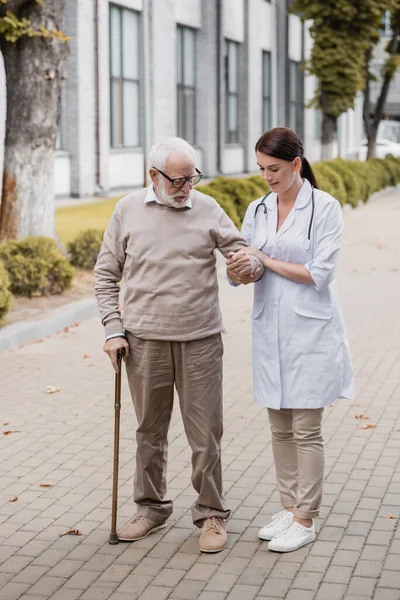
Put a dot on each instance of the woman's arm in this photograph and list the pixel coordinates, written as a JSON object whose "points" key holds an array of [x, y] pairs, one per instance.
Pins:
{"points": [[292, 271], [320, 271]]}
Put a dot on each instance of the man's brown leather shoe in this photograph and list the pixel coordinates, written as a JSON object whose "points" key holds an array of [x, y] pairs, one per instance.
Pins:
{"points": [[213, 538], [138, 528]]}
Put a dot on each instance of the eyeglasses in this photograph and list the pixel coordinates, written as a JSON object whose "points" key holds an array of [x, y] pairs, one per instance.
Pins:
{"points": [[179, 182]]}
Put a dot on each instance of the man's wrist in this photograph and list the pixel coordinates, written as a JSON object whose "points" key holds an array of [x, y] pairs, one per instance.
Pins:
{"points": [[115, 335]]}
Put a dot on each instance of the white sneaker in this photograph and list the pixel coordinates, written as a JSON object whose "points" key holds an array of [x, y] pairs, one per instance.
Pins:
{"points": [[279, 523], [293, 538]]}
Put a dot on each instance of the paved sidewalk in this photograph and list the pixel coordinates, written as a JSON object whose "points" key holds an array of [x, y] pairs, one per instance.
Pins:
{"points": [[65, 440]]}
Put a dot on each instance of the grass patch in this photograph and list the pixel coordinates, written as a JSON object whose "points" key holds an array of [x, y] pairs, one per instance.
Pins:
{"points": [[70, 220]]}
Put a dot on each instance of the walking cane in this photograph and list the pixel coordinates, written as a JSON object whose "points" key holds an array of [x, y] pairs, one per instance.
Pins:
{"points": [[117, 412]]}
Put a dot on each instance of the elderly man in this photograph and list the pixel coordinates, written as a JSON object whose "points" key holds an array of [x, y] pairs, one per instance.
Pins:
{"points": [[161, 240]]}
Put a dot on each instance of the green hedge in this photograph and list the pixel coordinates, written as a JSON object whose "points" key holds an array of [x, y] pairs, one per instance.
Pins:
{"points": [[36, 267], [5, 294], [349, 181], [83, 250]]}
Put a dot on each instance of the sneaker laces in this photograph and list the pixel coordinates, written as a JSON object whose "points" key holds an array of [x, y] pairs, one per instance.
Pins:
{"points": [[214, 524], [284, 515], [291, 531]]}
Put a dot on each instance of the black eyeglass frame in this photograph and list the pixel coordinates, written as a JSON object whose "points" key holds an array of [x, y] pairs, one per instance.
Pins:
{"points": [[185, 179]]}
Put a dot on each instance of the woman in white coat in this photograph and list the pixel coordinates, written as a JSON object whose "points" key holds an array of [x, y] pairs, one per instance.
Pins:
{"points": [[301, 358]]}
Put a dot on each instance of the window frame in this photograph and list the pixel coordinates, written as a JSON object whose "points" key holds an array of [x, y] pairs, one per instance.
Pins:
{"points": [[183, 87], [266, 98], [124, 79], [296, 103], [231, 136]]}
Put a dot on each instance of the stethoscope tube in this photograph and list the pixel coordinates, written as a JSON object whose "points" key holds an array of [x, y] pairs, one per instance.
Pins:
{"points": [[307, 242]]}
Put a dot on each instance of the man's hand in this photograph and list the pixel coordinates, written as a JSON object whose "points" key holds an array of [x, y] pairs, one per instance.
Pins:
{"points": [[239, 265], [111, 348]]}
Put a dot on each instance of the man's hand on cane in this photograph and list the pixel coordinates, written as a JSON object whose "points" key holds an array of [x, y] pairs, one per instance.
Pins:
{"points": [[111, 348]]}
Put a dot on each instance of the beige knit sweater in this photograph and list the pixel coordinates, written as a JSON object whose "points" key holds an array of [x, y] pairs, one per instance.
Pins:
{"points": [[166, 258]]}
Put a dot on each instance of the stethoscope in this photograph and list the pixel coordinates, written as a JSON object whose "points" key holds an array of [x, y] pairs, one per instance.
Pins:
{"points": [[307, 242]]}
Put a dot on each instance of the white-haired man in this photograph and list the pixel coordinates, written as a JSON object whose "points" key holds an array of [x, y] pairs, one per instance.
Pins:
{"points": [[161, 240]]}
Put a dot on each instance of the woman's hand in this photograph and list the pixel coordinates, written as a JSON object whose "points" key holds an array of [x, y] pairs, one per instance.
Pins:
{"points": [[251, 250]]}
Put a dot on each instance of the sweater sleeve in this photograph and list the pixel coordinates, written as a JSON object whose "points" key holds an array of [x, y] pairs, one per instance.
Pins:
{"points": [[228, 237], [108, 274]]}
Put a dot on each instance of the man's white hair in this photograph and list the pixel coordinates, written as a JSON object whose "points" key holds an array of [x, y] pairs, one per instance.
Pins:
{"points": [[160, 152]]}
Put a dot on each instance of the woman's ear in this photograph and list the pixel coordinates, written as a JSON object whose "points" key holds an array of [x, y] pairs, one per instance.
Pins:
{"points": [[297, 164]]}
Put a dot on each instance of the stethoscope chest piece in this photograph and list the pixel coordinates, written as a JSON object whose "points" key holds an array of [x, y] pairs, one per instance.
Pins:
{"points": [[307, 244]]}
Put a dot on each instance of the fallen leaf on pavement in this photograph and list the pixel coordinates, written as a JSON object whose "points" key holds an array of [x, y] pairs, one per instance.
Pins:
{"points": [[86, 356], [389, 517], [70, 532], [14, 499], [6, 423], [367, 426], [66, 329], [11, 431], [52, 389], [359, 416], [46, 485], [379, 246]]}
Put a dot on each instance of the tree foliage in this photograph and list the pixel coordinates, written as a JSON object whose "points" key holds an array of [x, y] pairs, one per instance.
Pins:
{"points": [[342, 32], [13, 28]]}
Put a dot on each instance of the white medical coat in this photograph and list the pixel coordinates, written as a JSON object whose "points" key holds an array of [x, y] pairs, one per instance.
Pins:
{"points": [[301, 357]]}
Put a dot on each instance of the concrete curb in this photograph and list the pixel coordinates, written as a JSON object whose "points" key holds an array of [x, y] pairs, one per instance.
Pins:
{"points": [[18, 334]]}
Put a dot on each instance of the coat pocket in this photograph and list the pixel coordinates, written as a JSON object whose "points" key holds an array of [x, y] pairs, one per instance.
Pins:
{"points": [[257, 309], [313, 327]]}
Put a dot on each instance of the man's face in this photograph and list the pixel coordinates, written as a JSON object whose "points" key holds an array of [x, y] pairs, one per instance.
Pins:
{"points": [[176, 166]]}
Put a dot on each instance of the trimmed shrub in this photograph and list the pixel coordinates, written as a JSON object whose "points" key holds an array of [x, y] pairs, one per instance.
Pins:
{"points": [[330, 181], [36, 267], [5, 294], [350, 179], [359, 169], [223, 200], [395, 166], [84, 249]]}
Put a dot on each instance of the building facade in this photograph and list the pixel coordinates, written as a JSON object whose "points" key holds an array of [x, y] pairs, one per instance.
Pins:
{"points": [[217, 72]]}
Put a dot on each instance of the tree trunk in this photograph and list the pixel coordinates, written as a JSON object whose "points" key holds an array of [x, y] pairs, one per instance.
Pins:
{"points": [[371, 152], [34, 70], [372, 121], [329, 124]]}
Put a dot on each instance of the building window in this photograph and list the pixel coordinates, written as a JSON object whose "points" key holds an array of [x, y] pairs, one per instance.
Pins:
{"points": [[231, 60], [124, 77], [266, 85], [186, 83], [296, 98]]}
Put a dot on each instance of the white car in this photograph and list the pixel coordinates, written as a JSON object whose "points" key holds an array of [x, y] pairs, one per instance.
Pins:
{"points": [[383, 148]]}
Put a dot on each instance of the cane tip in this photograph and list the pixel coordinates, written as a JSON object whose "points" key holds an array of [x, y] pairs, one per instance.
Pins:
{"points": [[113, 539]]}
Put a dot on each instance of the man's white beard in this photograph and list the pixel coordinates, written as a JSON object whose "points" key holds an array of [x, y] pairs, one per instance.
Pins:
{"points": [[169, 199]]}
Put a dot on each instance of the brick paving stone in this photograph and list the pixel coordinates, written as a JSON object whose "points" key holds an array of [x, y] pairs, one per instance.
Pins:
{"points": [[390, 579], [300, 595], [307, 581], [386, 594], [243, 592], [188, 589], [46, 586], [30, 574], [362, 586], [328, 591]]}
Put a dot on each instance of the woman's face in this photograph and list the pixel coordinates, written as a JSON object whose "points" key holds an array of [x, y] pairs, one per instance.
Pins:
{"points": [[280, 175]]}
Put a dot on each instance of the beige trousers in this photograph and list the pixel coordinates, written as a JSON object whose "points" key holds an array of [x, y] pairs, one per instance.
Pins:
{"points": [[195, 368], [298, 449]]}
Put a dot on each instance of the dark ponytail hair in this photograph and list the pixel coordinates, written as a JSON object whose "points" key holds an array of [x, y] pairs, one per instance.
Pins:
{"points": [[285, 144]]}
